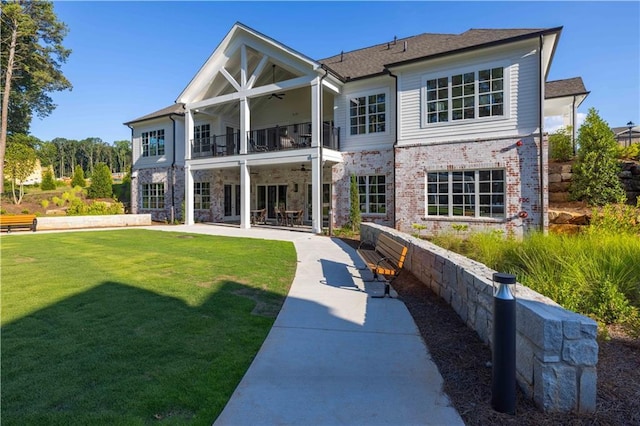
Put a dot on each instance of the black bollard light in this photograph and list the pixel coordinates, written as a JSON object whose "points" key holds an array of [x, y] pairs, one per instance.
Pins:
{"points": [[503, 377]]}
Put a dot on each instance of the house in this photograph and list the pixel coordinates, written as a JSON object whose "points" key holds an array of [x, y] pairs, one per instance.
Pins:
{"points": [[439, 129], [625, 136]]}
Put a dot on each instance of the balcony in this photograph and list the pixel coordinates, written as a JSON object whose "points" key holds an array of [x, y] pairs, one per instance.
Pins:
{"points": [[272, 139]]}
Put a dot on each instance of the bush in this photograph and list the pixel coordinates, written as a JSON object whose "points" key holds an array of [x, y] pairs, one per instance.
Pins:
{"points": [[354, 209], [595, 173], [96, 208], [560, 146], [44, 204], [101, 183], [78, 177], [48, 182], [616, 219]]}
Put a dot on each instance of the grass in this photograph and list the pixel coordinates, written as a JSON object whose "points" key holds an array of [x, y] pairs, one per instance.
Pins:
{"points": [[595, 273], [133, 326]]}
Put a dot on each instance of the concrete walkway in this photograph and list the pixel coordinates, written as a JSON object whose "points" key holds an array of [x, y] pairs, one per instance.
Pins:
{"points": [[335, 356]]}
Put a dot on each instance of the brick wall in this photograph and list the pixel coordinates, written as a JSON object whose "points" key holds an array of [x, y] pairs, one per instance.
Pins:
{"points": [[522, 167]]}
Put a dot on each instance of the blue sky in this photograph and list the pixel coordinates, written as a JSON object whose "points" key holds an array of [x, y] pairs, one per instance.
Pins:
{"points": [[133, 58]]}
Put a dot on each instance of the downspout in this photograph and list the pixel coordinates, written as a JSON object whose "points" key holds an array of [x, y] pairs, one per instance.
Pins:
{"points": [[573, 125], [173, 171], [541, 122], [330, 220], [395, 144]]}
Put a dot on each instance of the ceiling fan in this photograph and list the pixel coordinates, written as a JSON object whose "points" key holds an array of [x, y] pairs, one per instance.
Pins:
{"points": [[273, 78], [301, 169]]}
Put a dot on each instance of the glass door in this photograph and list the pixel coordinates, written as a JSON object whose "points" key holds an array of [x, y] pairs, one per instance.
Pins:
{"points": [[231, 201], [326, 202], [270, 197]]}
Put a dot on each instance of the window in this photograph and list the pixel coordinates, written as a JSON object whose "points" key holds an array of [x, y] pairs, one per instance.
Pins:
{"points": [[373, 194], [153, 143], [368, 114], [201, 195], [465, 96], [202, 138], [474, 193], [153, 196]]}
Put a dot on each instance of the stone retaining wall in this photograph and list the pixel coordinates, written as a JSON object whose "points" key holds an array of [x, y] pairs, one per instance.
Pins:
{"points": [[556, 349], [76, 222]]}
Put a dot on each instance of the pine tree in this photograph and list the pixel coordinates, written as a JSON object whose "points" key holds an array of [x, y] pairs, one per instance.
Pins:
{"points": [[354, 209], [78, 177], [595, 172], [101, 183], [48, 183]]}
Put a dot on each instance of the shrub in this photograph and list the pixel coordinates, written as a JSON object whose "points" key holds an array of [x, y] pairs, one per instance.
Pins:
{"points": [[58, 201], [595, 173], [560, 146], [78, 177], [3, 211], [631, 152], [25, 211], [354, 209], [44, 204], [48, 182], [616, 219], [418, 227], [101, 183]]}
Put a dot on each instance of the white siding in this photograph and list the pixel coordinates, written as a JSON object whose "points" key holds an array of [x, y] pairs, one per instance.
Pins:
{"points": [[521, 96], [164, 123], [384, 140]]}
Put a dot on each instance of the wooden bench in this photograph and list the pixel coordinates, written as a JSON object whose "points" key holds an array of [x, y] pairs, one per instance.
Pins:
{"points": [[385, 258], [10, 222]]}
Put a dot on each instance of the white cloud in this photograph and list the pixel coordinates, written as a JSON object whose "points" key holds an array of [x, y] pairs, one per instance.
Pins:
{"points": [[553, 123]]}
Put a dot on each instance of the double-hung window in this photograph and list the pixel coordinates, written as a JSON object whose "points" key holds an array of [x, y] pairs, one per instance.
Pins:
{"points": [[368, 114], [153, 196], [473, 193], [153, 143], [373, 194], [202, 195], [465, 96]]}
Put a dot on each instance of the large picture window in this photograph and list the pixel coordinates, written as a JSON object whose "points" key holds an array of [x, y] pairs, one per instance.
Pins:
{"points": [[465, 96], [153, 143], [201, 195], [474, 193], [368, 114], [153, 196], [373, 194]]}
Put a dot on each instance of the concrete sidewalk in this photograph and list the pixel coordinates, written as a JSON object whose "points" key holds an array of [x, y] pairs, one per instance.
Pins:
{"points": [[335, 356]]}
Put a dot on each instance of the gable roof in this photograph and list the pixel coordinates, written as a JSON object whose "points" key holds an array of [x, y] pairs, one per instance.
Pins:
{"points": [[374, 60], [567, 87], [175, 109]]}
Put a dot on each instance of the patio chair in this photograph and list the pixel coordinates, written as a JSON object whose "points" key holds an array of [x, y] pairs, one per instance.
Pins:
{"points": [[281, 217], [299, 217]]}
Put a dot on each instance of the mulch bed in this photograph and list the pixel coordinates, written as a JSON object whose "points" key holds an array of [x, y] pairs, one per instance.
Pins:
{"points": [[463, 361]]}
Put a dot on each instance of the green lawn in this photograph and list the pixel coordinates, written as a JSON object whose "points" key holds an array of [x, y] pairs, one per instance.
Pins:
{"points": [[133, 326]]}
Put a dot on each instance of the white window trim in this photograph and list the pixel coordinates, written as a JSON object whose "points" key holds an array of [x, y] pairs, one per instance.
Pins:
{"points": [[164, 144], [387, 111], [200, 195], [164, 198], [506, 88], [386, 197], [476, 216]]}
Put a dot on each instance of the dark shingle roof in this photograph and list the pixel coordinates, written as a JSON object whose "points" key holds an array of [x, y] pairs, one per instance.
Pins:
{"points": [[373, 60], [175, 109], [567, 87]]}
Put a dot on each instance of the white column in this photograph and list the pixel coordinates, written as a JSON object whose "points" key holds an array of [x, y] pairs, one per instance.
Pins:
{"points": [[188, 177], [188, 133], [245, 195], [316, 112], [188, 195], [316, 199], [245, 123]]}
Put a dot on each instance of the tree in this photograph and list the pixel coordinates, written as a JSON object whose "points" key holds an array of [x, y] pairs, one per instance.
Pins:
{"points": [[560, 146], [595, 172], [101, 183], [20, 160], [30, 66], [122, 151], [78, 178], [48, 183], [354, 208]]}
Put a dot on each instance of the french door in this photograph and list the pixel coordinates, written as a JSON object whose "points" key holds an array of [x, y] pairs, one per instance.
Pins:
{"points": [[326, 202], [231, 201], [270, 197]]}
